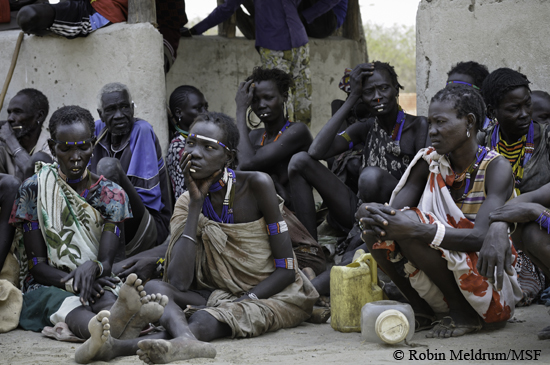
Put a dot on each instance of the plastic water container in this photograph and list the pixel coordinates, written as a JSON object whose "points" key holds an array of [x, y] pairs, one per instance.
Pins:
{"points": [[351, 287], [387, 321]]}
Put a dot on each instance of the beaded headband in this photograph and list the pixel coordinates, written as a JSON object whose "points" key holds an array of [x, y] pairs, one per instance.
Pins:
{"points": [[77, 143], [209, 139], [463, 83]]}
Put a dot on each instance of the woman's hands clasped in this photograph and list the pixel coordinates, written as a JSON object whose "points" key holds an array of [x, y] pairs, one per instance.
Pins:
{"points": [[87, 284]]}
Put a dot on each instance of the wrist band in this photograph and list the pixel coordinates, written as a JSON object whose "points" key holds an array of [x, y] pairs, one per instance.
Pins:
{"points": [[252, 296], [111, 227], [189, 238], [438, 235], [160, 267], [543, 220], [69, 286], [100, 265], [17, 150], [33, 261]]}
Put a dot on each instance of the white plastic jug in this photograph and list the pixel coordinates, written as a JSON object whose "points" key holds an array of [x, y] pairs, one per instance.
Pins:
{"points": [[387, 321]]}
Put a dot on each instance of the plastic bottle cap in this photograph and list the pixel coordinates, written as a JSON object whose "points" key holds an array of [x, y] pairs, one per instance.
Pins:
{"points": [[392, 326]]}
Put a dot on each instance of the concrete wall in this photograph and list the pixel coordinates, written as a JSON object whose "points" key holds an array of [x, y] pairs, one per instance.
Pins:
{"points": [[72, 71], [217, 65], [497, 33]]}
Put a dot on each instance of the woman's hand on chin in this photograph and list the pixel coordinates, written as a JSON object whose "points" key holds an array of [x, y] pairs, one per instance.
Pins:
{"points": [[198, 189]]}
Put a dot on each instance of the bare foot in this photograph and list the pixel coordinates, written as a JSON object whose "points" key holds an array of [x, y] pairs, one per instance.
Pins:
{"points": [[128, 303], [61, 332], [99, 343], [181, 348], [150, 312], [455, 326]]}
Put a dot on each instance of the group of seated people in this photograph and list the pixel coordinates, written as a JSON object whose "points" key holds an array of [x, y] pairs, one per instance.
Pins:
{"points": [[452, 206]]}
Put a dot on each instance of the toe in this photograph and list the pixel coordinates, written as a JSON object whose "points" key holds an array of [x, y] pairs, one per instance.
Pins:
{"points": [[164, 300], [131, 279]]}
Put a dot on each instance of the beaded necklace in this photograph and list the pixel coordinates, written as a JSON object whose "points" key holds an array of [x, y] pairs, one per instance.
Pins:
{"points": [[467, 174], [398, 127], [287, 124], [75, 181], [183, 133], [228, 179], [518, 153]]}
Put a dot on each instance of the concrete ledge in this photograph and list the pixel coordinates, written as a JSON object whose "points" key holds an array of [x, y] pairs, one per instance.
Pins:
{"points": [[497, 33], [72, 71]]}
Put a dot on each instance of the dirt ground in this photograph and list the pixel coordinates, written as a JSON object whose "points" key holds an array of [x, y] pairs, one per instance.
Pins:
{"points": [[320, 344]]}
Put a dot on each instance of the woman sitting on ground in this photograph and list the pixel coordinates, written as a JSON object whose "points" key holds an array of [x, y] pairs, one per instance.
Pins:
{"points": [[186, 103], [70, 220], [526, 145], [269, 149], [230, 253], [392, 138], [472, 74], [430, 251]]}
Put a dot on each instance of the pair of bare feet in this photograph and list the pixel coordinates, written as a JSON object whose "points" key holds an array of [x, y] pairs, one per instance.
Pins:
{"points": [[132, 311]]}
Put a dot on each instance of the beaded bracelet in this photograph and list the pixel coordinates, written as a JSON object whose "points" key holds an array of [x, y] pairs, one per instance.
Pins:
{"points": [[287, 263], [100, 265], [543, 220], [160, 267], [438, 235]]}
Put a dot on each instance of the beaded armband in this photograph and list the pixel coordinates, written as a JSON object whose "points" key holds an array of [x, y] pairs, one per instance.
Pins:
{"points": [[30, 226], [347, 138], [160, 266], [543, 220], [33, 261], [111, 227], [276, 228], [285, 263]]}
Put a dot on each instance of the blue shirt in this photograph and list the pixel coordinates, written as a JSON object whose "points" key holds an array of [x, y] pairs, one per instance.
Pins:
{"points": [[339, 7], [278, 25]]}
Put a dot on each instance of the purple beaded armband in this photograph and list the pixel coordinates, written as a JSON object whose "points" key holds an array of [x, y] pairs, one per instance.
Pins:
{"points": [[543, 220], [30, 226], [276, 228], [285, 263]]}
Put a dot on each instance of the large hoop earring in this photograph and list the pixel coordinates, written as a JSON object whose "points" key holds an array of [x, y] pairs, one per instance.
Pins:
{"points": [[250, 120], [468, 133]]}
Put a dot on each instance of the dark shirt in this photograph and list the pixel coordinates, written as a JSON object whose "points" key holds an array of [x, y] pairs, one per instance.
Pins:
{"points": [[338, 7], [141, 159], [278, 25]]}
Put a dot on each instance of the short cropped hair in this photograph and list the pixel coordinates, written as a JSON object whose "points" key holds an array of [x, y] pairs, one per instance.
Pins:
{"points": [[68, 115], [391, 71], [501, 81], [39, 101], [282, 79], [475, 70], [465, 100], [180, 95], [227, 125], [112, 88]]}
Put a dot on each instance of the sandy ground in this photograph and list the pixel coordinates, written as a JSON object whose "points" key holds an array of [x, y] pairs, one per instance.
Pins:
{"points": [[320, 344]]}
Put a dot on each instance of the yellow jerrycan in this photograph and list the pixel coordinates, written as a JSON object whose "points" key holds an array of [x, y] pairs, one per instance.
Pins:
{"points": [[351, 287]]}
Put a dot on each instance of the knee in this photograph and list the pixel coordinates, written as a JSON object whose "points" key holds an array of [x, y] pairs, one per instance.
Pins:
{"points": [[299, 163], [157, 286], [371, 184], [110, 168], [9, 185]]}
